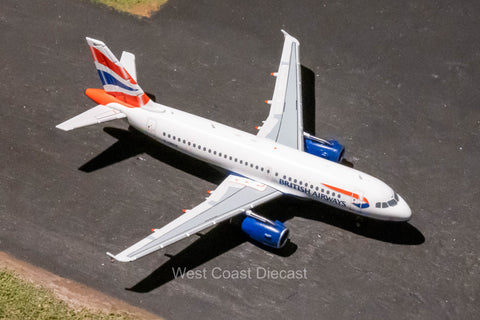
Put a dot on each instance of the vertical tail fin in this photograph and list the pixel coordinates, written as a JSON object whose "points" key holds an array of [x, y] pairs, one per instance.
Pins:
{"points": [[115, 78]]}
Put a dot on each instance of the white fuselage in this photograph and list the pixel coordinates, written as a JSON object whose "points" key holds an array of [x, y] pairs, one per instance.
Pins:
{"points": [[288, 170]]}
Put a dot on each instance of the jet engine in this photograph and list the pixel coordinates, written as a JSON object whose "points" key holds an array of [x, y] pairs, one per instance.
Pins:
{"points": [[327, 149], [270, 233]]}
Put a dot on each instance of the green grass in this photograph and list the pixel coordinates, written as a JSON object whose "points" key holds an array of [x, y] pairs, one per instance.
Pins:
{"points": [[22, 300], [138, 7]]}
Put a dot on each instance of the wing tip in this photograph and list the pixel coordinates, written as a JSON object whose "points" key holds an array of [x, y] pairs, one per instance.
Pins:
{"points": [[119, 257], [288, 36], [63, 127]]}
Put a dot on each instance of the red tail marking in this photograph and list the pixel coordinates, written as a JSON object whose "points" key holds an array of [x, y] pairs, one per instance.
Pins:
{"points": [[135, 101], [102, 59]]}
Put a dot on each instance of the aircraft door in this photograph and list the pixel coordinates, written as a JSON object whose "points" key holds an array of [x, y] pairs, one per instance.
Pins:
{"points": [[151, 125]]}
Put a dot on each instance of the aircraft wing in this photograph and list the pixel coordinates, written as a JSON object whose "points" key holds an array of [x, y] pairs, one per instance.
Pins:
{"points": [[233, 196], [285, 120]]}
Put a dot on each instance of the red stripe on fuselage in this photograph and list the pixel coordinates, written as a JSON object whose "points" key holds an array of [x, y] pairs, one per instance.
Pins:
{"points": [[347, 193]]}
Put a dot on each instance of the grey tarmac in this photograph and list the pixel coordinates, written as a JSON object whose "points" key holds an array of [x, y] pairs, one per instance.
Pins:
{"points": [[396, 82]]}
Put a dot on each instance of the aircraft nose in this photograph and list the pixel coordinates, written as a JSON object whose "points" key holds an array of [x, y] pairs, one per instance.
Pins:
{"points": [[403, 211]]}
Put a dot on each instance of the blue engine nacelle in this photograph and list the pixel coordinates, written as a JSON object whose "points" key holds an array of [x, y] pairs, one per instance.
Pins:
{"points": [[269, 233], [327, 149]]}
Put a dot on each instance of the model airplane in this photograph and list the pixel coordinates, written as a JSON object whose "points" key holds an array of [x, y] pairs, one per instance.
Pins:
{"points": [[280, 159]]}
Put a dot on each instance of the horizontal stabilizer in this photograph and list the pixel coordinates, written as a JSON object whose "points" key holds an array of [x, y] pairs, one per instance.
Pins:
{"points": [[95, 115]]}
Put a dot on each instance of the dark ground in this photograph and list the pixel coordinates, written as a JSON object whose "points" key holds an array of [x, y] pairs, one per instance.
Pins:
{"points": [[397, 83]]}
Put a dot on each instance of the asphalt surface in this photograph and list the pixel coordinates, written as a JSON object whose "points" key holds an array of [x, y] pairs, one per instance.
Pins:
{"points": [[396, 82]]}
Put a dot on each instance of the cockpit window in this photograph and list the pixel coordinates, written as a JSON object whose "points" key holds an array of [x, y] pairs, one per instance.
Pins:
{"points": [[390, 203]]}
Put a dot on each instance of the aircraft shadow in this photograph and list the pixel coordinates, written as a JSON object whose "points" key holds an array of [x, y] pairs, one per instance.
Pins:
{"points": [[308, 99], [132, 143], [309, 106], [286, 208], [217, 241], [226, 236]]}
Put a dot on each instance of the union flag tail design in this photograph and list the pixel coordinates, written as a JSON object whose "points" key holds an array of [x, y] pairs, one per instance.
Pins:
{"points": [[116, 80]]}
